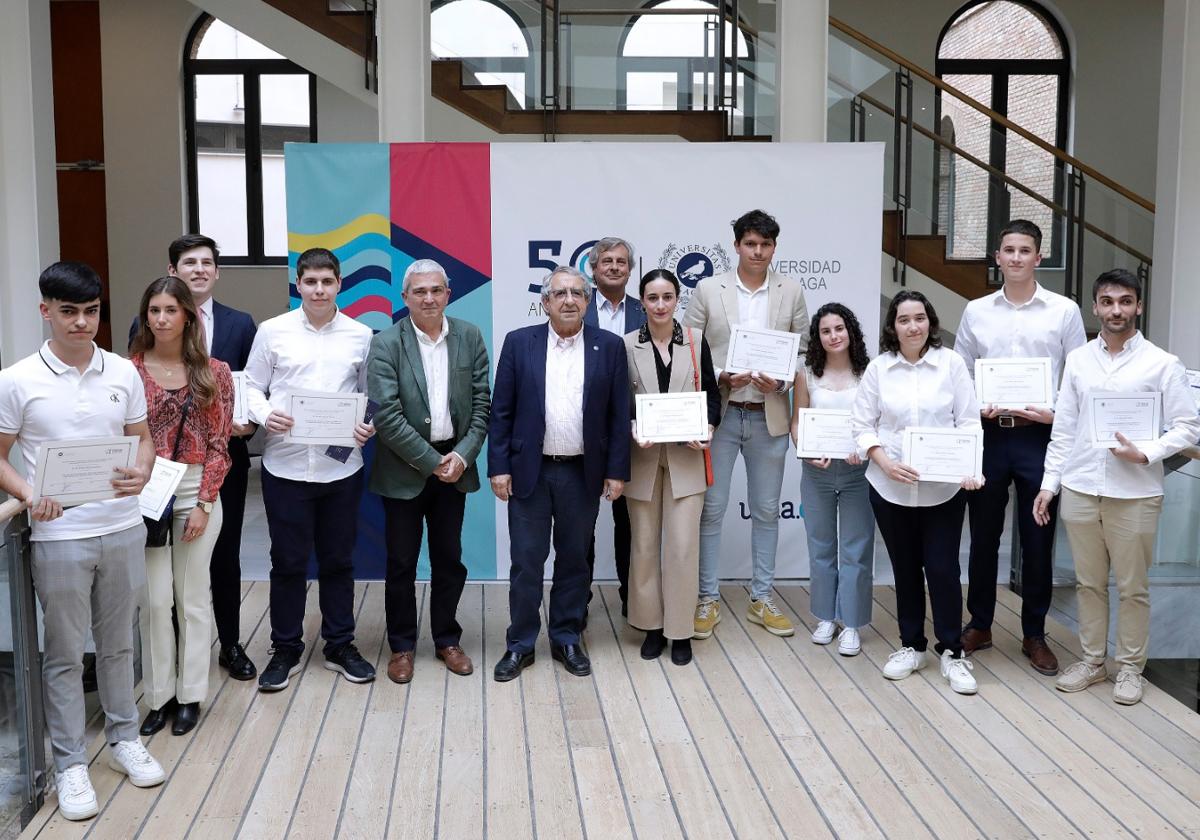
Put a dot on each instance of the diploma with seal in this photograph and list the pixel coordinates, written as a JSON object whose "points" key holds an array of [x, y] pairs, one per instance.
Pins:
{"points": [[160, 487], [824, 433], [1137, 415], [239, 398], [72, 472], [1014, 383], [771, 352], [944, 455], [325, 419], [672, 418]]}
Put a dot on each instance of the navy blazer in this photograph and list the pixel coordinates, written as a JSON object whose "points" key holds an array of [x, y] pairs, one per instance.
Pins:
{"points": [[517, 429], [635, 315], [233, 335]]}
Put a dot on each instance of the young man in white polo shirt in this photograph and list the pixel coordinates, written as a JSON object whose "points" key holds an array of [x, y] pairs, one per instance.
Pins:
{"points": [[89, 560], [1112, 498]]}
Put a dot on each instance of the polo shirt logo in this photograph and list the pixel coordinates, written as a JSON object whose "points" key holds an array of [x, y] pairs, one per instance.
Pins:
{"points": [[114, 398]]}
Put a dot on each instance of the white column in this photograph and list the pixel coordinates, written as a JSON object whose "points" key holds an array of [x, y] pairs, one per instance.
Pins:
{"points": [[1175, 283], [28, 190], [403, 35], [802, 69]]}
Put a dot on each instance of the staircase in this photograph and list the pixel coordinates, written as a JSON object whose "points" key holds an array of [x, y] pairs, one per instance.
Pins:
{"points": [[927, 254]]}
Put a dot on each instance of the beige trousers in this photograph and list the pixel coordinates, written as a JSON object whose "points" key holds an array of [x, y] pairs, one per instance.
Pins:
{"points": [[664, 562], [177, 575], [1116, 534]]}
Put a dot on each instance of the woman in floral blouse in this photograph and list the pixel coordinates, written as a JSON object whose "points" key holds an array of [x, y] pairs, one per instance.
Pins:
{"points": [[179, 376]]}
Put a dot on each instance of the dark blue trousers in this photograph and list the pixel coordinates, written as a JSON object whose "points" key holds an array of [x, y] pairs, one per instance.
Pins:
{"points": [[303, 516], [559, 506], [922, 543], [1011, 456]]}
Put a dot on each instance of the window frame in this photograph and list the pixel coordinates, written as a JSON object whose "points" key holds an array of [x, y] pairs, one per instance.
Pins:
{"points": [[251, 71]]}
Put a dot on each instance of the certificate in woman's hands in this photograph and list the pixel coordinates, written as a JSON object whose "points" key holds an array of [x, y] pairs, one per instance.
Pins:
{"points": [[944, 455], [671, 418], [1136, 415], [824, 433]]}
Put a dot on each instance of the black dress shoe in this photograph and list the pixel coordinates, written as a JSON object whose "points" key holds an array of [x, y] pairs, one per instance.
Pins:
{"points": [[652, 648], [186, 717], [573, 659], [156, 719], [511, 664], [681, 651], [234, 660]]}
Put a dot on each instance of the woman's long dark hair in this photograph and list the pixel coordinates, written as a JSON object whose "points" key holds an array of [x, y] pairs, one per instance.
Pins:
{"points": [[816, 356], [201, 381], [889, 342]]}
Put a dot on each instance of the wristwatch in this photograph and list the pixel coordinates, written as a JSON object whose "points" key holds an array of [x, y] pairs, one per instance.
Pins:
{"points": [[205, 506]]}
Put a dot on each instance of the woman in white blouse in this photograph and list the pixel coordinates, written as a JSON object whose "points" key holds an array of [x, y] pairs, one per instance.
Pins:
{"points": [[917, 382], [838, 522]]}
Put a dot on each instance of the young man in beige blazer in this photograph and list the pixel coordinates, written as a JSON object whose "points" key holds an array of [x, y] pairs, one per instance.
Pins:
{"points": [[755, 414]]}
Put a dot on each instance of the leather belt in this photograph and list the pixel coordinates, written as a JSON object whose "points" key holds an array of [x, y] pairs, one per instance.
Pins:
{"points": [[1009, 421], [747, 406], [562, 459]]}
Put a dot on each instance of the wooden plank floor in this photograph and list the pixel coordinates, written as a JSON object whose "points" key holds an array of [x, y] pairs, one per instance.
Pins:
{"points": [[762, 737]]}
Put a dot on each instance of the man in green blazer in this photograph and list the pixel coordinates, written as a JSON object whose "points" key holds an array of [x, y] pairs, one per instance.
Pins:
{"points": [[429, 374]]}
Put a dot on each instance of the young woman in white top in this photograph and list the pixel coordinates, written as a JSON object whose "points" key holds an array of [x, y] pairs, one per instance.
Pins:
{"points": [[838, 521], [916, 382]]}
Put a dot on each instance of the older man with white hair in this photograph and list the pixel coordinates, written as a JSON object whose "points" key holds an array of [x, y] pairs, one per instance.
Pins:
{"points": [[429, 374]]}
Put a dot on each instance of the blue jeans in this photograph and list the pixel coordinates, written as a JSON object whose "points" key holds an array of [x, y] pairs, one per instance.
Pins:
{"points": [[841, 565], [765, 456]]}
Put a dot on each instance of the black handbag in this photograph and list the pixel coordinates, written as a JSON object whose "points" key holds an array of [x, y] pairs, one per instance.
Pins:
{"points": [[159, 531]]}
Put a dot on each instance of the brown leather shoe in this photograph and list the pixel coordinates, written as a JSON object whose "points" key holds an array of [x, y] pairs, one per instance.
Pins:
{"points": [[974, 639], [1040, 656], [456, 660], [400, 667]]}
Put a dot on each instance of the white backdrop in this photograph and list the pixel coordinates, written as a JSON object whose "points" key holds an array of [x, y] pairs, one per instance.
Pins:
{"points": [[675, 204]]}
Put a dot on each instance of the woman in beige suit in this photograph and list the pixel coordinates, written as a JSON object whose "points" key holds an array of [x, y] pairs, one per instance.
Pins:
{"points": [[666, 488]]}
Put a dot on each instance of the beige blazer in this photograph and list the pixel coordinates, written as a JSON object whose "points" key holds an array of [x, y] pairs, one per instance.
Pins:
{"points": [[714, 309], [686, 465]]}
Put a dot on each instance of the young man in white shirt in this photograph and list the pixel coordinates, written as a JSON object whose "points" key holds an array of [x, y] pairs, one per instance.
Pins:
{"points": [[89, 563], [1112, 498], [311, 499], [1022, 320]]}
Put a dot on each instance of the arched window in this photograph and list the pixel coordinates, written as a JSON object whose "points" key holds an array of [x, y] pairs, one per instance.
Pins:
{"points": [[668, 61], [1012, 57], [242, 102], [489, 39]]}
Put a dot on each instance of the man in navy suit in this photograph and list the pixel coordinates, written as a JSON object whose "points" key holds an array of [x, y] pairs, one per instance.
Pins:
{"points": [[228, 334], [552, 452], [611, 261]]}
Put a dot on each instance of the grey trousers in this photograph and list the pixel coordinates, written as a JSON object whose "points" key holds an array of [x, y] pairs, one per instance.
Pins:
{"points": [[94, 581]]}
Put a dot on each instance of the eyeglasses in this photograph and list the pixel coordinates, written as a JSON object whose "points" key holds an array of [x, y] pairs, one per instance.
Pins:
{"points": [[561, 294]]}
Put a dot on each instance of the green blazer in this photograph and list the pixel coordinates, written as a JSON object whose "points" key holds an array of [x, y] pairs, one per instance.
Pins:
{"points": [[396, 380]]}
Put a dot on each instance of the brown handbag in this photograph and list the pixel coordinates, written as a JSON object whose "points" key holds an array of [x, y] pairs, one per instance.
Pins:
{"points": [[708, 472]]}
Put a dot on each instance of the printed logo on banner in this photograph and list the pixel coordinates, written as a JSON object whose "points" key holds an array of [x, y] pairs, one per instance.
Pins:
{"points": [[691, 264], [543, 256]]}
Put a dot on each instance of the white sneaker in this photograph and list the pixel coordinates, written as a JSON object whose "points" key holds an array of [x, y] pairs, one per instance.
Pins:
{"points": [[848, 642], [132, 759], [823, 635], [957, 671], [903, 662], [76, 798]]}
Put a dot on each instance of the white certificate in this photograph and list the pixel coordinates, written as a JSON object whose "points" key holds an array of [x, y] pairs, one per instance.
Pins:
{"points": [[161, 487], [772, 352], [672, 418], [325, 419], [944, 455], [76, 471], [1014, 383], [1136, 415], [239, 398], [824, 433]]}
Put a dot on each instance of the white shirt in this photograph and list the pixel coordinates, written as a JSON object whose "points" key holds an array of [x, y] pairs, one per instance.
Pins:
{"points": [[290, 354], [754, 310], [895, 394], [564, 394], [43, 399], [435, 360], [1071, 461], [1047, 324], [206, 318], [609, 316]]}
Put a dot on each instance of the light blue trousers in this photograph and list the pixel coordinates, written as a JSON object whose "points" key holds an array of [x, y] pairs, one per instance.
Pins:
{"points": [[765, 456], [840, 527]]}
